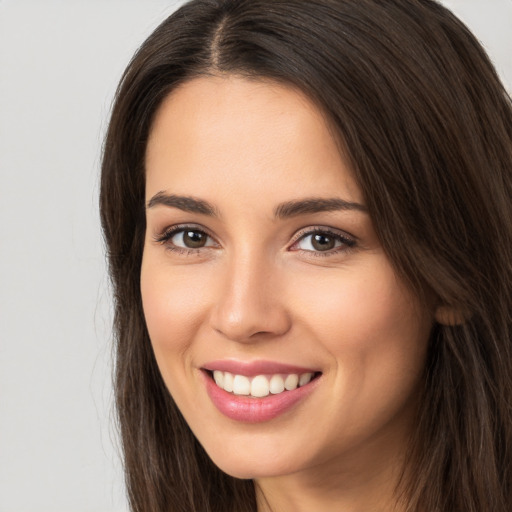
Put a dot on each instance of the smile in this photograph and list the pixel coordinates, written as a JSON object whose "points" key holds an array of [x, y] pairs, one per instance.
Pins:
{"points": [[260, 386], [259, 391]]}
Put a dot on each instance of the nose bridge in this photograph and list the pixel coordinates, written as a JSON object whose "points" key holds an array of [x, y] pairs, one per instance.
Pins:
{"points": [[249, 302]]}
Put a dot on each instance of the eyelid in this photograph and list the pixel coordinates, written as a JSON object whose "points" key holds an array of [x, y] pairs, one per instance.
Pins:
{"points": [[347, 239], [168, 232]]}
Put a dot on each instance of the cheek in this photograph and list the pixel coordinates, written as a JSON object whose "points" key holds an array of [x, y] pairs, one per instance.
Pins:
{"points": [[364, 308], [376, 336], [174, 306], [373, 328]]}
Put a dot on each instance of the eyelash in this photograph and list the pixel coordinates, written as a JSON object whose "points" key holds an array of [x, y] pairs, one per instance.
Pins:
{"points": [[165, 237], [347, 242]]}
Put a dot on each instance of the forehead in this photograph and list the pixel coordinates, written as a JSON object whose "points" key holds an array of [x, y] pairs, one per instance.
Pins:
{"points": [[248, 134]]}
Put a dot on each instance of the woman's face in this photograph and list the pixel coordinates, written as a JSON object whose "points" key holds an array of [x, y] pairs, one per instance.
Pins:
{"points": [[262, 268]]}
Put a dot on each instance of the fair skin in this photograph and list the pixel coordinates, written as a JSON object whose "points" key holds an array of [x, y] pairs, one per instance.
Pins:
{"points": [[225, 278]]}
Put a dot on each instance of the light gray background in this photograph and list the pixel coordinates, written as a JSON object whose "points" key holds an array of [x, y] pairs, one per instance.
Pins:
{"points": [[59, 64]]}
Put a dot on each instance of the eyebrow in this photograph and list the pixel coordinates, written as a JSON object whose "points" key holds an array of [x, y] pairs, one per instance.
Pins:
{"points": [[282, 211], [185, 203], [316, 205]]}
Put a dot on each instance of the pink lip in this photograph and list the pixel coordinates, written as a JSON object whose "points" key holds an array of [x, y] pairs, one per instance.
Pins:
{"points": [[253, 368], [255, 410]]}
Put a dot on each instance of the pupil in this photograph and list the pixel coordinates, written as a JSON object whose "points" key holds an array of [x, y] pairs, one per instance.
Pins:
{"points": [[322, 242], [194, 239]]}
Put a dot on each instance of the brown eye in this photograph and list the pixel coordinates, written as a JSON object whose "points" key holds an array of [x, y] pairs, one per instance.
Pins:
{"points": [[322, 242], [194, 239], [187, 238]]}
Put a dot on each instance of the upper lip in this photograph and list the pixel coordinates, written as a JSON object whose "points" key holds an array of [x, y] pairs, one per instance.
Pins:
{"points": [[253, 368]]}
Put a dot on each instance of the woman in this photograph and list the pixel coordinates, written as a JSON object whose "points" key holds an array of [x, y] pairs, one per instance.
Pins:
{"points": [[307, 212]]}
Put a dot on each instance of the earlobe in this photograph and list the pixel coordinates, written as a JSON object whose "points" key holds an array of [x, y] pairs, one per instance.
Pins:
{"points": [[447, 315]]}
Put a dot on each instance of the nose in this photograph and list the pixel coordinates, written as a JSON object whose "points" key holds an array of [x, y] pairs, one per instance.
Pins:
{"points": [[250, 304]]}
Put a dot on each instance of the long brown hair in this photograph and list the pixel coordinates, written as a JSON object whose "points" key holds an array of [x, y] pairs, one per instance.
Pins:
{"points": [[427, 125]]}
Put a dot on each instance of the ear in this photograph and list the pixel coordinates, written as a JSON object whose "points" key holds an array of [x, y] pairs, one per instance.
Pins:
{"points": [[447, 315]]}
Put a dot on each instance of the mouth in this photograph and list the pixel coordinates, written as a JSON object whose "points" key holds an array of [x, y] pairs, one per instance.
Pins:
{"points": [[260, 386], [257, 391], [254, 397]]}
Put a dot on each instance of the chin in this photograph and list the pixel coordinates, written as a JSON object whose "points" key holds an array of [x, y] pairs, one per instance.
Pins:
{"points": [[256, 461]]}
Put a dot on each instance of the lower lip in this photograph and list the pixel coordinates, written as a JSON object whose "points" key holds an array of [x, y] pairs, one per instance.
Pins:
{"points": [[255, 410]]}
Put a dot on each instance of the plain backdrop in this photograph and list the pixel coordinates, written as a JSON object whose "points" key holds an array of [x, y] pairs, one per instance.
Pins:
{"points": [[59, 65]]}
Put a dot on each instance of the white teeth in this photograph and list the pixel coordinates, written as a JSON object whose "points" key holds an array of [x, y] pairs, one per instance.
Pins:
{"points": [[291, 382], [228, 382], [261, 385], [276, 384], [305, 378], [241, 385], [219, 378]]}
